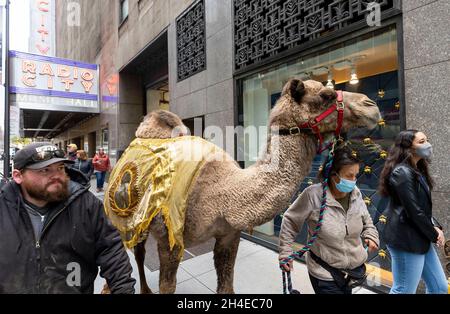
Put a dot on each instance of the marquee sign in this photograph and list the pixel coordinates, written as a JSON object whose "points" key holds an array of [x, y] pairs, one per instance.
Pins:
{"points": [[48, 83]]}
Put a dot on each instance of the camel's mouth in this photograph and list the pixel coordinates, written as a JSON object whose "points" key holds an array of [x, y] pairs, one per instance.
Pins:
{"points": [[367, 113]]}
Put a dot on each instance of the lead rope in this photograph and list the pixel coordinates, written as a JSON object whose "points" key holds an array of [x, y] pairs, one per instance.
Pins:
{"points": [[313, 238]]}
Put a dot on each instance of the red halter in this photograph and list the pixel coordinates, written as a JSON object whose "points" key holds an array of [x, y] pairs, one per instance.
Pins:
{"points": [[313, 124]]}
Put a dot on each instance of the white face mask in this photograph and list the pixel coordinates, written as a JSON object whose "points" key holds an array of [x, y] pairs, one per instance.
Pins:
{"points": [[424, 151]]}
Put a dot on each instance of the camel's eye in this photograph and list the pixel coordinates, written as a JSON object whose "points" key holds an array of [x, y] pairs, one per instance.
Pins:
{"points": [[328, 94]]}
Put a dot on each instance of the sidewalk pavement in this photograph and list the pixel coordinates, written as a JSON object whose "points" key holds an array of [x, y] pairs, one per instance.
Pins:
{"points": [[256, 272]]}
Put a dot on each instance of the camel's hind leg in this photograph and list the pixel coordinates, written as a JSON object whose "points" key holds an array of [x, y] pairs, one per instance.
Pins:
{"points": [[169, 261], [139, 255], [225, 251]]}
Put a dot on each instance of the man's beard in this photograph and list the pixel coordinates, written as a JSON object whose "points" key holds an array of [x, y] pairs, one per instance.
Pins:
{"points": [[43, 194]]}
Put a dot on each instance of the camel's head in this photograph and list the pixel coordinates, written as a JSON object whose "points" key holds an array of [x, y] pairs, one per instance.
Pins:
{"points": [[302, 101], [161, 124]]}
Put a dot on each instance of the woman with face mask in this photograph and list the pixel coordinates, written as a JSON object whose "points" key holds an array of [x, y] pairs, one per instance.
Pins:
{"points": [[410, 228], [346, 232]]}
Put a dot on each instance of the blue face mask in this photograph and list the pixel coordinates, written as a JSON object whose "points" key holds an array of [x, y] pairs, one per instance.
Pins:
{"points": [[345, 186]]}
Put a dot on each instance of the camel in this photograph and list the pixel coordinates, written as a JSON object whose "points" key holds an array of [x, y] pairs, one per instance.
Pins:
{"points": [[226, 199]]}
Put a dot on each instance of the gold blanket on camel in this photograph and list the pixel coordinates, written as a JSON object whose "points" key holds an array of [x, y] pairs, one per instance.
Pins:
{"points": [[154, 176]]}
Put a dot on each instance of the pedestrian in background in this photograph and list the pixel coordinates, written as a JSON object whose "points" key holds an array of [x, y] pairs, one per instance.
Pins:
{"points": [[84, 164], [410, 228], [101, 167], [72, 152]]}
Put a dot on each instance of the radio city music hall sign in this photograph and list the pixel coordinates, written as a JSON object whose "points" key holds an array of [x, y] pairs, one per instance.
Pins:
{"points": [[42, 27], [56, 82]]}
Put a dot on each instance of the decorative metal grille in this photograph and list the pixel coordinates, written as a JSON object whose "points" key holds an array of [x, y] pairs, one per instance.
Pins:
{"points": [[191, 41], [264, 28]]}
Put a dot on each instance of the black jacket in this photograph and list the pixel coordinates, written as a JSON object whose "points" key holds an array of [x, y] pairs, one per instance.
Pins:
{"points": [[408, 225], [85, 166], [77, 236]]}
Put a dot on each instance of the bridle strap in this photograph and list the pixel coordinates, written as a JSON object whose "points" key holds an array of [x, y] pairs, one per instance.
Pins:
{"points": [[340, 110], [313, 124]]}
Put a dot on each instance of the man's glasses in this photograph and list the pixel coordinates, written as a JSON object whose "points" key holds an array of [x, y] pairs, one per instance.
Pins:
{"points": [[47, 155]]}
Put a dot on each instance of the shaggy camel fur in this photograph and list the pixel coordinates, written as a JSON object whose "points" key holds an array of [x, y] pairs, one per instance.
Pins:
{"points": [[226, 199]]}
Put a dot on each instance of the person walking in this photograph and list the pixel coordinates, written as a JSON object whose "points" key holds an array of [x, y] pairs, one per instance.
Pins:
{"points": [[84, 164], [410, 230], [347, 228], [72, 152], [54, 233], [101, 167]]}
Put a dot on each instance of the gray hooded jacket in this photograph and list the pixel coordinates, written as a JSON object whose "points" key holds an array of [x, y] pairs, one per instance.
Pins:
{"points": [[340, 240]]}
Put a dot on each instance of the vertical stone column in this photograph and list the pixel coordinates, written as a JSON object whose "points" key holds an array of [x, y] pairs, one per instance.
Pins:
{"points": [[427, 67], [131, 108]]}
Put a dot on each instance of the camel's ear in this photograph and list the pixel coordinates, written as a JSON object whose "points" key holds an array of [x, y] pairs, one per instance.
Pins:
{"points": [[328, 94], [295, 88]]}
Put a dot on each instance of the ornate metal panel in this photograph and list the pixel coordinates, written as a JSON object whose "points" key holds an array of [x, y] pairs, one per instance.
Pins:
{"points": [[264, 28], [191, 41]]}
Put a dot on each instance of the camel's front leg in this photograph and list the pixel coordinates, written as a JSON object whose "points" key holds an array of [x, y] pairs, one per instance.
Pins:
{"points": [[225, 251], [168, 266], [139, 255]]}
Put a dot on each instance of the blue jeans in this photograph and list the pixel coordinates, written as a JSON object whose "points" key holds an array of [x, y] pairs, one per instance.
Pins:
{"points": [[100, 179], [408, 268]]}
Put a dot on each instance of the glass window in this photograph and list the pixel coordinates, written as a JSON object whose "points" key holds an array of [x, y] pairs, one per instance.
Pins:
{"points": [[367, 64], [105, 140]]}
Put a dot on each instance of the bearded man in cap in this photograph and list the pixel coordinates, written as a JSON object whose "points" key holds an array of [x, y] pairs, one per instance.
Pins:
{"points": [[54, 234]]}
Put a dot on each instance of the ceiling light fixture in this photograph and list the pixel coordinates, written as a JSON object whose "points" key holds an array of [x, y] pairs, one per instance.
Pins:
{"points": [[354, 78], [330, 81]]}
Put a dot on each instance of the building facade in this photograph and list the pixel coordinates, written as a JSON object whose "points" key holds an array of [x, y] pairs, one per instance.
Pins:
{"points": [[221, 64]]}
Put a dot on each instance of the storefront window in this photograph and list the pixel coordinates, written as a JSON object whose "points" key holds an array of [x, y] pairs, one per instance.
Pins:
{"points": [[367, 64], [105, 140]]}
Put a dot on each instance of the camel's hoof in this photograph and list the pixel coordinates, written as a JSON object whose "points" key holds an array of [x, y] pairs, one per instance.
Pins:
{"points": [[105, 289], [227, 291], [146, 291], [167, 291]]}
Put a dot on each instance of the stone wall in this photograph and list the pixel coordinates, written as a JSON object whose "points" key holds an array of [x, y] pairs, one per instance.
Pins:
{"points": [[427, 67], [208, 93]]}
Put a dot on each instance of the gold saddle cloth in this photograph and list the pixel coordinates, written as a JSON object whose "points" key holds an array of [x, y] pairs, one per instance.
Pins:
{"points": [[154, 176]]}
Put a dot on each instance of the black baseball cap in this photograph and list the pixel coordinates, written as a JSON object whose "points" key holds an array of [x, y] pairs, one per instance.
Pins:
{"points": [[39, 155]]}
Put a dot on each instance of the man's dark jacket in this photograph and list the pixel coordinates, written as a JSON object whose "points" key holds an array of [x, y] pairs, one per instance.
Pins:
{"points": [[409, 226], [76, 232]]}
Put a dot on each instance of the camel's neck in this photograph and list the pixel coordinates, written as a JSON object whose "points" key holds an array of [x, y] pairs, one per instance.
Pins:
{"points": [[272, 181]]}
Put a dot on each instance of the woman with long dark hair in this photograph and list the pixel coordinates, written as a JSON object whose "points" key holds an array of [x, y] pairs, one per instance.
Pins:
{"points": [[410, 227]]}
